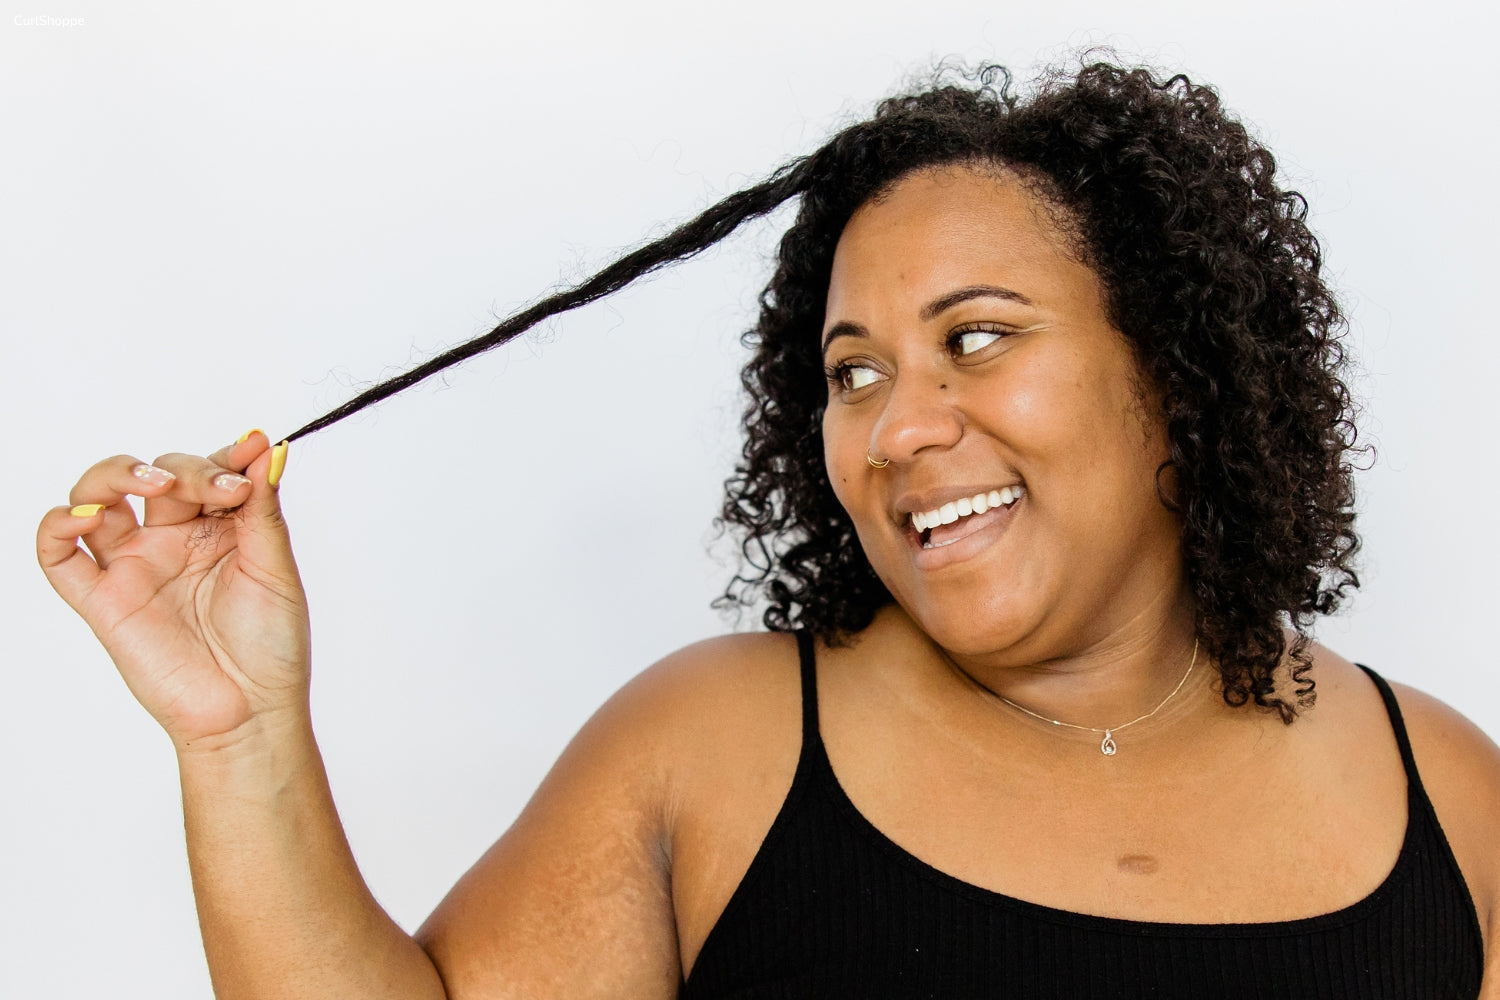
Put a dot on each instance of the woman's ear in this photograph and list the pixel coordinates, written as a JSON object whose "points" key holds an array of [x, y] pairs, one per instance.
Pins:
{"points": [[1168, 487]]}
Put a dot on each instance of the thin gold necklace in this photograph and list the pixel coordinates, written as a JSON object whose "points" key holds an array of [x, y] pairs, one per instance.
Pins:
{"points": [[1107, 745]]}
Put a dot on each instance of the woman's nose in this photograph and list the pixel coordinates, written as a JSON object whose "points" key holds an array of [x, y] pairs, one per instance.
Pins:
{"points": [[918, 414]]}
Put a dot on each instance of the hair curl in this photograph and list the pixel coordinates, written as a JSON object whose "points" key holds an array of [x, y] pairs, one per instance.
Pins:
{"points": [[1210, 272]]}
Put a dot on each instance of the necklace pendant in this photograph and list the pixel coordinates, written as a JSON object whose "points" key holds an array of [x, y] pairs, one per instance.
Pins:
{"points": [[1107, 747]]}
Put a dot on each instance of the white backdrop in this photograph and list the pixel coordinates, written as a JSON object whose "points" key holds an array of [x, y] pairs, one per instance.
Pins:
{"points": [[222, 217]]}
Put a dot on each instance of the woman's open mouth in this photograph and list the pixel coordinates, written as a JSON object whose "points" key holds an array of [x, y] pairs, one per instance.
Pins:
{"points": [[959, 519]]}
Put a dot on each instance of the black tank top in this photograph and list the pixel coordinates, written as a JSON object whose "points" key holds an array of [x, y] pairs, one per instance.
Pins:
{"points": [[832, 908]]}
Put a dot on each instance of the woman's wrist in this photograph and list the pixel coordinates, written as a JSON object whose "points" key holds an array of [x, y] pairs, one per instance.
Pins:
{"points": [[270, 742]]}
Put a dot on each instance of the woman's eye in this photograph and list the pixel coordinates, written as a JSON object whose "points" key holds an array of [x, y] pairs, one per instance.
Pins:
{"points": [[846, 376], [973, 340]]}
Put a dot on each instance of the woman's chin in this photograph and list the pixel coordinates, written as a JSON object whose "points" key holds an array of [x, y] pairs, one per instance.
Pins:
{"points": [[974, 626]]}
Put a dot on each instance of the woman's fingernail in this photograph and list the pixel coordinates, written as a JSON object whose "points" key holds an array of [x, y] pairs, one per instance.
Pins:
{"points": [[229, 481], [86, 509], [246, 436], [278, 463], [151, 475]]}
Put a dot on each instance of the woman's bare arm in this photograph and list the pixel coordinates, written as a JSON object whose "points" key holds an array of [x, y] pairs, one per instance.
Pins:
{"points": [[202, 610], [201, 607], [575, 900], [284, 910], [624, 859]]}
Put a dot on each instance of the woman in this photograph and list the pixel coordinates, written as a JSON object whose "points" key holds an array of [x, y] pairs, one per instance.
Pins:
{"points": [[1048, 469]]}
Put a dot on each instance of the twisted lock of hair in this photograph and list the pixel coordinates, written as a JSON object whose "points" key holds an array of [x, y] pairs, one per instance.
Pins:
{"points": [[684, 242], [1209, 271]]}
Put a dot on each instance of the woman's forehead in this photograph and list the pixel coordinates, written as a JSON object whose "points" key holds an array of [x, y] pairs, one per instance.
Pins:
{"points": [[948, 227]]}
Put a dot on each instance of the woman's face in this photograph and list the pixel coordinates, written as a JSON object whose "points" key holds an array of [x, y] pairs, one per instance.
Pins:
{"points": [[968, 347]]}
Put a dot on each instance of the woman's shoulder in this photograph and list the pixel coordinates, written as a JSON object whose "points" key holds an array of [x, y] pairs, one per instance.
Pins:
{"points": [[619, 854], [726, 717], [718, 714], [1459, 767], [718, 684]]}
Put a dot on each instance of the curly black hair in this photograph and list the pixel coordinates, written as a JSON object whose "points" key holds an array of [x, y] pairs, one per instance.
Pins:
{"points": [[1210, 272]]}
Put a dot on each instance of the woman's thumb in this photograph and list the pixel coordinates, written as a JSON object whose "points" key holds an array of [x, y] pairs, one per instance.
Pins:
{"points": [[262, 535]]}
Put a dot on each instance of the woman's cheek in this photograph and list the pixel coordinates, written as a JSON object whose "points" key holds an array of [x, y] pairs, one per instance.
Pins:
{"points": [[835, 462]]}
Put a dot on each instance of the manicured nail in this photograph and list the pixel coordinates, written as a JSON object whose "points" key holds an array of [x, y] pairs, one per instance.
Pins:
{"points": [[246, 436], [86, 509], [278, 462], [151, 475], [229, 481]]}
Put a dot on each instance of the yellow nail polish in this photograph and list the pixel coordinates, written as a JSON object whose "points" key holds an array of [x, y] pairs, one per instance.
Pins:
{"points": [[278, 462], [246, 436], [86, 509]]}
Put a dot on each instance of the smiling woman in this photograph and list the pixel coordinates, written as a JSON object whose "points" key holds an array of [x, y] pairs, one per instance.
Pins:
{"points": [[989, 364], [1048, 470]]}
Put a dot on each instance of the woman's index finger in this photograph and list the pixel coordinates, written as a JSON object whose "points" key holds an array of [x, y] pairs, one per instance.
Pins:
{"points": [[237, 456]]}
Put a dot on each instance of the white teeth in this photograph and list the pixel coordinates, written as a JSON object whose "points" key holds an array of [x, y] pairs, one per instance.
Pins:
{"points": [[977, 504]]}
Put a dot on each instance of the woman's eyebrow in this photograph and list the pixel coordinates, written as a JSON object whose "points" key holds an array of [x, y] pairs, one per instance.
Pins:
{"points": [[931, 310], [943, 303], [843, 328]]}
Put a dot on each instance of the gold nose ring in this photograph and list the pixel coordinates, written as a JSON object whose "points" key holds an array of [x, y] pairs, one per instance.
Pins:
{"points": [[871, 459]]}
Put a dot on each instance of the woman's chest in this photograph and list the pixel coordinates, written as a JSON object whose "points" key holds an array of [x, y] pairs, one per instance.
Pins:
{"points": [[1255, 841], [833, 904], [1233, 848]]}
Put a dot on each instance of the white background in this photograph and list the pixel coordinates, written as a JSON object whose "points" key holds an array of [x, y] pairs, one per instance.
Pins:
{"points": [[217, 217]]}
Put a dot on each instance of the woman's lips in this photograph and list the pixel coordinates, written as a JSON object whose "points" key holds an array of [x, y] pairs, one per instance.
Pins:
{"points": [[966, 537], [946, 534], [964, 505]]}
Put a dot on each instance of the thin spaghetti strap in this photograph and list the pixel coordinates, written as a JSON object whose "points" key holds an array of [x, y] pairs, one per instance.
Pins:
{"points": [[1394, 711], [809, 689], [1421, 813]]}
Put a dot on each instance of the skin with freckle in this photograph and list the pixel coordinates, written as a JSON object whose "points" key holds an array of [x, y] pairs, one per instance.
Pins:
{"points": [[1138, 864]]}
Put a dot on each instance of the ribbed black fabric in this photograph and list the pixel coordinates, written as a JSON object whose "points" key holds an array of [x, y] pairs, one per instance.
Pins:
{"points": [[830, 907]]}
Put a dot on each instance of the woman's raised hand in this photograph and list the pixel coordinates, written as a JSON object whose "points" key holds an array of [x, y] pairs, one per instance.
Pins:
{"points": [[201, 607]]}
